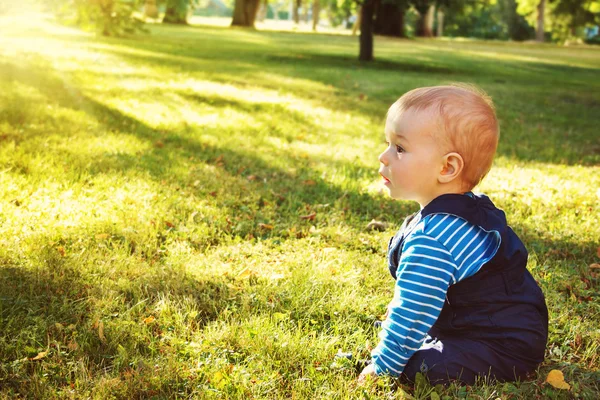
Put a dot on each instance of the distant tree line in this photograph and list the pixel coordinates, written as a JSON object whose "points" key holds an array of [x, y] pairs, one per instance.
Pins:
{"points": [[541, 20]]}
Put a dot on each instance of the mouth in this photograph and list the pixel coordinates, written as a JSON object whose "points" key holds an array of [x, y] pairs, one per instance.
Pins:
{"points": [[385, 180]]}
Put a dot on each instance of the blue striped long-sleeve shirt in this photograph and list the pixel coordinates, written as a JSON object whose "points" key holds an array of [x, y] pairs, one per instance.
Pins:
{"points": [[442, 249]]}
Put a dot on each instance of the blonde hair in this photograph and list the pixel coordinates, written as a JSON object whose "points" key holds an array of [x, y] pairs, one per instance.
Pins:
{"points": [[468, 122]]}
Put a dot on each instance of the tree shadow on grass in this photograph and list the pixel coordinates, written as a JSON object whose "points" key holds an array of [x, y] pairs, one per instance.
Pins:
{"points": [[330, 68], [51, 303], [301, 187]]}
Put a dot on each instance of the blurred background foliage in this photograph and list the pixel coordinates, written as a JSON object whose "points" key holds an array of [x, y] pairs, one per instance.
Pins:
{"points": [[562, 21]]}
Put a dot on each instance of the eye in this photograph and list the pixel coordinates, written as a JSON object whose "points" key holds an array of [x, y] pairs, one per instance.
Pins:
{"points": [[399, 149]]}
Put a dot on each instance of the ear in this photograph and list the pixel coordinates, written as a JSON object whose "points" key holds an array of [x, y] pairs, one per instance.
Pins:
{"points": [[452, 166]]}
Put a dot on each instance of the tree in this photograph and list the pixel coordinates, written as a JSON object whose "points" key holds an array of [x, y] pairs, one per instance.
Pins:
{"points": [[108, 17], [561, 17], [244, 13], [296, 11], [176, 12], [366, 31], [423, 28], [572, 14], [150, 9], [539, 33], [316, 9], [389, 18], [486, 19]]}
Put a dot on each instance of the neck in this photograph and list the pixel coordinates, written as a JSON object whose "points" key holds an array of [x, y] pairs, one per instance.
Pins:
{"points": [[447, 188]]}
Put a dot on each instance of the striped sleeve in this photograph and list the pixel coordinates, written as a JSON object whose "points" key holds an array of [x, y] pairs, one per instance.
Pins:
{"points": [[444, 251]]}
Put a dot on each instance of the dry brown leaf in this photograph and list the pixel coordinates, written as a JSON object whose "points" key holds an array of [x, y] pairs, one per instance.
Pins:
{"points": [[595, 266], [265, 226], [247, 272], [101, 331], [309, 182], [557, 379], [40, 355], [149, 320], [309, 216]]}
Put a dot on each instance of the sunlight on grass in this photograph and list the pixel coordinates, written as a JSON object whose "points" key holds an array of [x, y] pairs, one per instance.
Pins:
{"points": [[177, 224]]}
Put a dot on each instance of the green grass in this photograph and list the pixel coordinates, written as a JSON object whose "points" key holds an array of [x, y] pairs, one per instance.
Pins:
{"points": [[152, 243]]}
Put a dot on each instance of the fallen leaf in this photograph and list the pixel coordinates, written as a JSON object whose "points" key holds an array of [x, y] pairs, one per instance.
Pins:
{"points": [[72, 345], [101, 331], [309, 182], [595, 266], [265, 226], [40, 355], [557, 379], [247, 272], [309, 216], [149, 319]]}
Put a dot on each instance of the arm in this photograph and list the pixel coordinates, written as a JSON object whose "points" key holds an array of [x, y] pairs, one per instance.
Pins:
{"points": [[425, 272]]}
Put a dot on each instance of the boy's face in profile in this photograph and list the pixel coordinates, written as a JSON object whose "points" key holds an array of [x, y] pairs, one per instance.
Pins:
{"points": [[411, 163]]}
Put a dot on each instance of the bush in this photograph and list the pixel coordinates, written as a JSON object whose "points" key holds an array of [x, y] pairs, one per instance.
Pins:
{"points": [[593, 40], [109, 17]]}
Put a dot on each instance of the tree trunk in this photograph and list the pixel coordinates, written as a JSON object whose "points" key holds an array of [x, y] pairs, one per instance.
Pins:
{"points": [[429, 21], [366, 31], [422, 21], [305, 12], [539, 35], [176, 12], [244, 13], [389, 20], [316, 9], [296, 9], [150, 9], [440, 23], [358, 21], [262, 11]]}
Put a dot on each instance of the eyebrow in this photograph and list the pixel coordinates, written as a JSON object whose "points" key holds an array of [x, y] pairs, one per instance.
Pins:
{"points": [[400, 136]]}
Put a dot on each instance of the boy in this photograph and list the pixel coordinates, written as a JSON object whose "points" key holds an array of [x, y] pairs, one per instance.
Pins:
{"points": [[464, 304]]}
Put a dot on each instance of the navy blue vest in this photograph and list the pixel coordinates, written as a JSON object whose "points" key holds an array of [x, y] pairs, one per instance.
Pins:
{"points": [[501, 302]]}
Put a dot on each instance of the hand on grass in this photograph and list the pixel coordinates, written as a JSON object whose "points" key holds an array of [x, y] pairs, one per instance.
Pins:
{"points": [[368, 371]]}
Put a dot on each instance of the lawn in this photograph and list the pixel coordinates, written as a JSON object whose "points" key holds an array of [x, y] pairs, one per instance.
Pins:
{"points": [[183, 214]]}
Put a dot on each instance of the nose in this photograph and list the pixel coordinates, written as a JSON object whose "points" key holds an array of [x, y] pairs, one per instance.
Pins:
{"points": [[382, 158]]}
